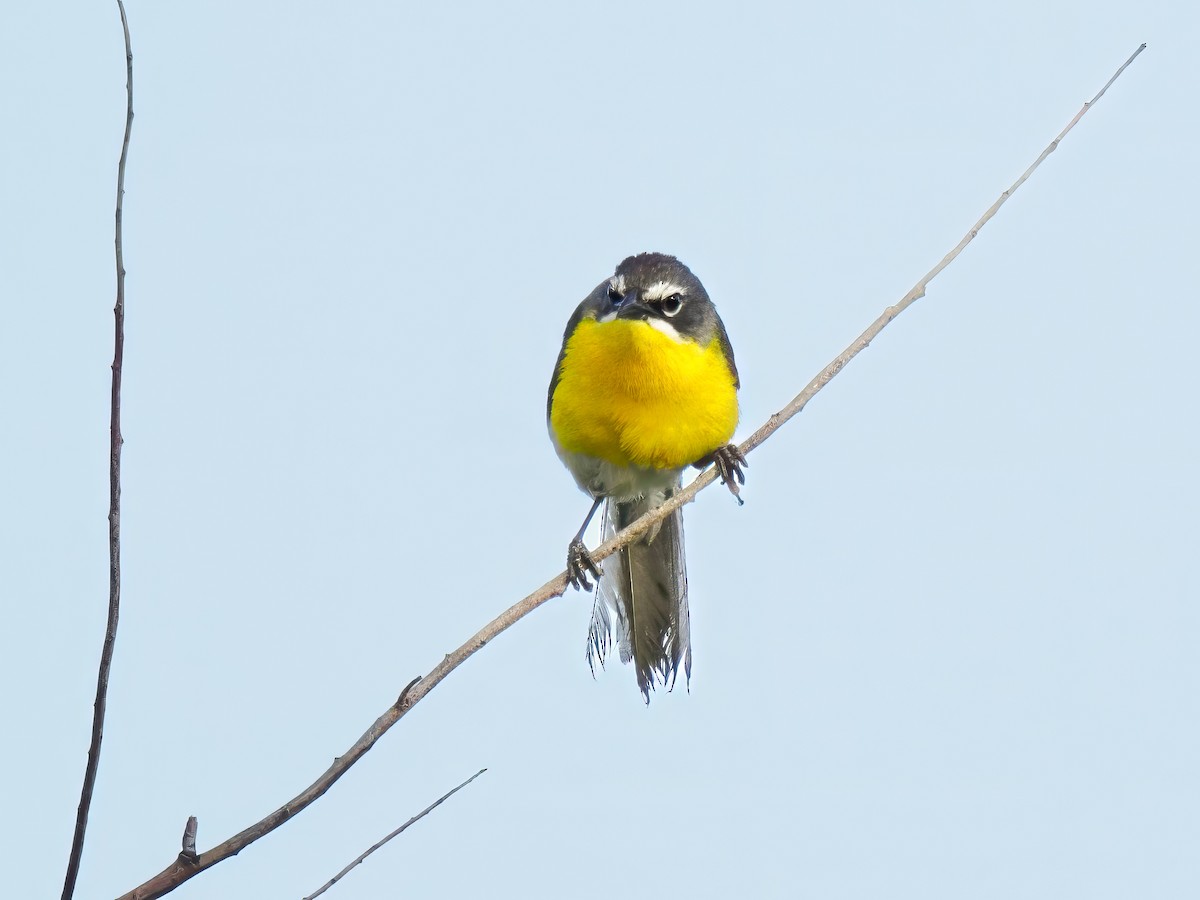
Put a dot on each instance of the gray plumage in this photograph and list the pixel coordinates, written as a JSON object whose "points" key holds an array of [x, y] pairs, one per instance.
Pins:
{"points": [[643, 597]]}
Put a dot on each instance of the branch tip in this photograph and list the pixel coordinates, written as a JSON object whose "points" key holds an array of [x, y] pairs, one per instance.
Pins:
{"points": [[426, 811]]}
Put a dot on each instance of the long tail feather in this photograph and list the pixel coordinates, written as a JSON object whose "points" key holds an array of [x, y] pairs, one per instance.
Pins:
{"points": [[643, 592]]}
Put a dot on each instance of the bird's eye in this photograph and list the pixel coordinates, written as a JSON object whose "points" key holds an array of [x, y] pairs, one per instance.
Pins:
{"points": [[614, 296], [671, 305]]}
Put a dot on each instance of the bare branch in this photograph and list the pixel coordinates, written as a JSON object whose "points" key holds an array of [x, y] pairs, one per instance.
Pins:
{"points": [[918, 291], [178, 872], [114, 500], [426, 811]]}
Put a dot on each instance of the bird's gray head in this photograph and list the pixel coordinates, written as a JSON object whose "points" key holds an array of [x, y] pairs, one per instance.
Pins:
{"points": [[663, 292]]}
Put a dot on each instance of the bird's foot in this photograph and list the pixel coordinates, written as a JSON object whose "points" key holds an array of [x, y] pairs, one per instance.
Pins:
{"points": [[729, 461], [580, 565]]}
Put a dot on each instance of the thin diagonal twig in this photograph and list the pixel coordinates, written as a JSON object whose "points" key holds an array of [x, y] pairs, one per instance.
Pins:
{"points": [[422, 814], [114, 500], [181, 870]]}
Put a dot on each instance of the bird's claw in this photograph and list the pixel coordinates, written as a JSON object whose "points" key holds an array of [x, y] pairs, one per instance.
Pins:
{"points": [[580, 565], [729, 461]]}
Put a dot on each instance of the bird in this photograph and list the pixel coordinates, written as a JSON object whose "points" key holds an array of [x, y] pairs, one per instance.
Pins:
{"points": [[645, 386]]}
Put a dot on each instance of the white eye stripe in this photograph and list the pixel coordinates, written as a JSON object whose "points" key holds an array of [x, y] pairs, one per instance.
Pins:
{"points": [[661, 291]]}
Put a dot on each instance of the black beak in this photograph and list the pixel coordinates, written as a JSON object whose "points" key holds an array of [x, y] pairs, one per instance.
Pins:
{"points": [[632, 307]]}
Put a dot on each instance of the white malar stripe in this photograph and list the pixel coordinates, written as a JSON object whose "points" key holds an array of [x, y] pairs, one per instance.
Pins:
{"points": [[661, 291], [665, 327]]}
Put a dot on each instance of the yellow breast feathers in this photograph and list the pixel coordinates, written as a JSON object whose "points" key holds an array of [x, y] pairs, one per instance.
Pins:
{"points": [[632, 395]]}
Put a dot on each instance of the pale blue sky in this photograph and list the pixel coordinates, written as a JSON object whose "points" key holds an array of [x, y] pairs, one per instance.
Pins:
{"points": [[948, 647]]}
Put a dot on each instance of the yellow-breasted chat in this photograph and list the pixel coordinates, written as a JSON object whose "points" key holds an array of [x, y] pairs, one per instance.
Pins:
{"points": [[645, 386]]}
